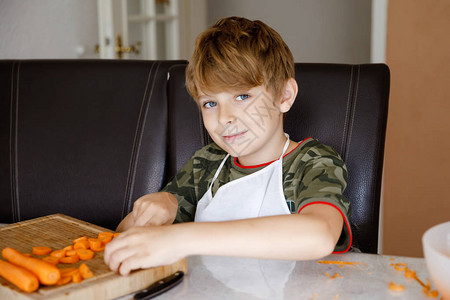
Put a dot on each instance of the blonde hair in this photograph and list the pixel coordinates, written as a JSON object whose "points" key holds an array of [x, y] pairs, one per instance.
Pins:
{"points": [[238, 54]]}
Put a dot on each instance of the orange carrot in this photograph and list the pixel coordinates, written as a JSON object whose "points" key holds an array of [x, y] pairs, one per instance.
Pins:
{"points": [[69, 259], [105, 237], [41, 250], [68, 248], [71, 252], [83, 244], [58, 253], [76, 277], [85, 254], [80, 239], [51, 260], [64, 280], [47, 273], [116, 234], [85, 271], [68, 272], [95, 244], [23, 279]]}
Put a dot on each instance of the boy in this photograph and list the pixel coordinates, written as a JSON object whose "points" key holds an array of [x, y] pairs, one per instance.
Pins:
{"points": [[253, 192]]}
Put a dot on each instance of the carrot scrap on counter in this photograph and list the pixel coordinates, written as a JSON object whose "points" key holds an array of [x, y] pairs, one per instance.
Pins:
{"points": [[23, 279], [83, 244], [426, 288], [396, 287], [85, 254], [68, 248], [41, 250], [334, 276], [337, 262], [58, 253], [105, 237], [47, 274], [69, 259]]}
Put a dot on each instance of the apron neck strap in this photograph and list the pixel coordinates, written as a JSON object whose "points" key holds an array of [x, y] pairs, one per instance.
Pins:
{"points": [[286, 145]]}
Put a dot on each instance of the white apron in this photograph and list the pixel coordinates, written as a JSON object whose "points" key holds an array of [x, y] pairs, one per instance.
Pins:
{"points": [[256, 195]]}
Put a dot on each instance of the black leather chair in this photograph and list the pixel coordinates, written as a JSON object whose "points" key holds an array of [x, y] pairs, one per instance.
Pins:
{"points": [[82, 138], [344, 106], [87, 138]]}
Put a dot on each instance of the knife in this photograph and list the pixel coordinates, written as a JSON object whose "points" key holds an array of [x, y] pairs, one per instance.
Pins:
{"points": [[156, 288]]}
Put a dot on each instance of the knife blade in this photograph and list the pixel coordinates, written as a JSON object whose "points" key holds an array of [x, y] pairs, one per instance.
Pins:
{"points": [[156, 288]]}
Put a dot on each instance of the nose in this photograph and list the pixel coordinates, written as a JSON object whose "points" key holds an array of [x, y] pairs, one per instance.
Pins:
{"points": [[227, 114]]}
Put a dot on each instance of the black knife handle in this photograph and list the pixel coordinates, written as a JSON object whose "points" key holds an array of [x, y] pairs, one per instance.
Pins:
{"points": [[160, 286]]}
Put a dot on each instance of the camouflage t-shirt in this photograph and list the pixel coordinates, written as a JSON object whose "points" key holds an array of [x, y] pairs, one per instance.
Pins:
{"points": [[312, 173]]}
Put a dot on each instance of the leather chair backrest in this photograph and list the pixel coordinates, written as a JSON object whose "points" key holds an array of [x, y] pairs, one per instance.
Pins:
{"points": [[82, 138], [344, 106]]}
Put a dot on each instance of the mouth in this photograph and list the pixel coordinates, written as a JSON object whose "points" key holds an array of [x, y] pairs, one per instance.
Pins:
{"points": [[232, 138]]}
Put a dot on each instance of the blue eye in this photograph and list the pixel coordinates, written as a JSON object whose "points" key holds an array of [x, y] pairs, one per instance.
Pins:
{"points": [[209, 104], [242, 97]]}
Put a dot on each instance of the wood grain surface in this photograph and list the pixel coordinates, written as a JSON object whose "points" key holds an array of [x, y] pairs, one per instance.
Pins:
{"points": [[58, 231]]}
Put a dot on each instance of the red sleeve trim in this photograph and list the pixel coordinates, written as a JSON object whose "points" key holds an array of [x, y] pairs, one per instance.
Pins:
{"points": [[268, 163], [343, 217]]}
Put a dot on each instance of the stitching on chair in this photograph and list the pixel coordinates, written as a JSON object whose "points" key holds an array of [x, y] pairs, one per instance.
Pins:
{"points": [[137, 140], [344, 132], [13, 142], [355, 97]]}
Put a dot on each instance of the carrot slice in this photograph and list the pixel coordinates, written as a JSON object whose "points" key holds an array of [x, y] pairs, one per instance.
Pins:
{"points": [[85, 271], [68, 248], [64, 280], [23, 279], [69, 259], [41, 250], [83, 244], [68, 272], [47, 273], [85, 254], [105, 237], [76, 277], [71, 253], [58, 253], [51, 260], [80, 239], [96, 245]]}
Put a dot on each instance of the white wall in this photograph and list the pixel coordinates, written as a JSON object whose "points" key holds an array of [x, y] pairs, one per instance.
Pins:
{"points": [[336, 31], [48, 29]]}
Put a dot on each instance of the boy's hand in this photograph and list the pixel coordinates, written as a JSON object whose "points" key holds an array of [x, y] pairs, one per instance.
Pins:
{"points": [[152, 209], [143, 247]]}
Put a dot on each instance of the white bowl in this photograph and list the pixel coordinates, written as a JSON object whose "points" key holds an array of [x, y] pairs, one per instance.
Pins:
{"points": [[436, 248]]}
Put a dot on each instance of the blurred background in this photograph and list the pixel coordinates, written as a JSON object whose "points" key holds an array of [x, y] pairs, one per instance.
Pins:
{"points": [[411, 36]]}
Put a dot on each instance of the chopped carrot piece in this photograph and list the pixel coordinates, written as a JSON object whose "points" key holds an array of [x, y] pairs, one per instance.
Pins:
{"points": [[105, 237], [85, 254], [41, 250], [83, 238], [83, 244], [96, 245], [64, 280], [20, 277], [51, 260], [68, 248], [58, 253], [76, 277], [71, 253], [85, 271], [69, 259], [68, 272]]}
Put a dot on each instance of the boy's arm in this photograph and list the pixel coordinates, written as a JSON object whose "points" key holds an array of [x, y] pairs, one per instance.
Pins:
{"points": [[309, 235]]}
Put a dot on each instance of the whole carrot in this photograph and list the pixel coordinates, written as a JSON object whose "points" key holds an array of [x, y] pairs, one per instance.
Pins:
{"points": [[47, 274], [23, 279]]}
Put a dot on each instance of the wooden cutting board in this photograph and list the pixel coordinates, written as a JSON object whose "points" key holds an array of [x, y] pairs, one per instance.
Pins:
{"points": [[58, 231]]}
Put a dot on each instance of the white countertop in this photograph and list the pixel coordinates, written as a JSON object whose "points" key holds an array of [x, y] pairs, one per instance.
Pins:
{"points": [[211, 277]]}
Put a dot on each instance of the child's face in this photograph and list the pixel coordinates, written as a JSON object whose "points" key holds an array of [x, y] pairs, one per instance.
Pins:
{"points": [[246, 124]]}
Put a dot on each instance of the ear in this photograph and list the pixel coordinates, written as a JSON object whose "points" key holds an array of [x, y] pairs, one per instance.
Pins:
{"points": [[288, 95]]}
